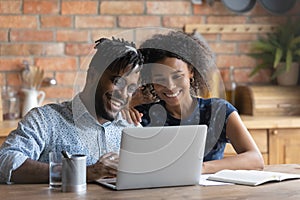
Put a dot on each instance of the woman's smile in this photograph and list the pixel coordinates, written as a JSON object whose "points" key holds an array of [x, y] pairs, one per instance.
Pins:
{"points": [[172, 94]]}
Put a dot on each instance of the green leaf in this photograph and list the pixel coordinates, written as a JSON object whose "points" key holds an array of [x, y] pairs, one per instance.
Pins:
{"points": [[262, 47], [278, 71], [283, 45], [297, 52], [278, 56], [295, 41], [257, 69]]}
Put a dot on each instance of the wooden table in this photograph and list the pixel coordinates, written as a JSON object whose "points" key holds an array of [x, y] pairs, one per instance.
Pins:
{"points": [[281, 190]]}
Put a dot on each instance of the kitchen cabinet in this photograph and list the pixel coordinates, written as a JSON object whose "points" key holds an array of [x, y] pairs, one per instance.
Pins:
{"points": [[285, 145], [277, 137]]}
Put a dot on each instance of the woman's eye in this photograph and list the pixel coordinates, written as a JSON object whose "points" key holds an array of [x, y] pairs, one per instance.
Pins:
{"points": [[178, 76], [159, 81]]}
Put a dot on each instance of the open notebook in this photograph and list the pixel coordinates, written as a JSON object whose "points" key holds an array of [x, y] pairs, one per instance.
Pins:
{"points": [[159, 157], [250, 177]]}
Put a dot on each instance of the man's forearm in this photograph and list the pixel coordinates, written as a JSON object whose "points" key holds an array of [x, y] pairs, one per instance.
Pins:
{"points": [[31, 171]]}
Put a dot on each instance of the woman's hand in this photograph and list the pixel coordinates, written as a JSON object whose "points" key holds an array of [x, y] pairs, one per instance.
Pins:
{"points": [[132, 115], [139, 97]]}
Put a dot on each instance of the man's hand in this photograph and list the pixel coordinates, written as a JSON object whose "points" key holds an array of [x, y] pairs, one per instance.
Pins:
{"points": [[105, 167]]}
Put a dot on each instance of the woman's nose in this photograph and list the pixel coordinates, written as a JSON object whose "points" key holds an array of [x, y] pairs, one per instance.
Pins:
{"points": [[170, 84]]}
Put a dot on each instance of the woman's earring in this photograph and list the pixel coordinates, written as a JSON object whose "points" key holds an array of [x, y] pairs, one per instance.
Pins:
{"points": [[192, 80]]}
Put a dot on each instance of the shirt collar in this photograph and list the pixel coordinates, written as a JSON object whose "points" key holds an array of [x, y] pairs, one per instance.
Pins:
{"points": [[78, 108]]}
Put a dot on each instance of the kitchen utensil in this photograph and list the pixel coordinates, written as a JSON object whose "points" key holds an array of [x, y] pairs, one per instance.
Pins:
{"points": [[74, 173], [32, 77], [239, 6], [277, 6]]}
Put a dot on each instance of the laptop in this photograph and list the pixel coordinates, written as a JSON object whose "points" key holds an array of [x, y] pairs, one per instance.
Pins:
{"points": [[152, 157]]}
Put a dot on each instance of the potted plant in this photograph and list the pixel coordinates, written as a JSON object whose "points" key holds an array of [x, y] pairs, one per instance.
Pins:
{"points": [[280, 50]]}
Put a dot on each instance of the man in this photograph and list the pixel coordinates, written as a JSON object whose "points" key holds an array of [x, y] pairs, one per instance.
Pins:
{"points": [[90, 124]]}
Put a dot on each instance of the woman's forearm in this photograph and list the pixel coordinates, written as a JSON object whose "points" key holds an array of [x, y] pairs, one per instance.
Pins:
{"points": [[248, 160]]}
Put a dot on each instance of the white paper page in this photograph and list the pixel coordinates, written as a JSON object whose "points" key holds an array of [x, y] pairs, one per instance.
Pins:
{"points": [[250, 177], [204, 182]]}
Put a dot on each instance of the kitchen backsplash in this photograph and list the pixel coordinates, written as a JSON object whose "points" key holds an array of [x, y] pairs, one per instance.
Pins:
{"points": [[58, 35]]}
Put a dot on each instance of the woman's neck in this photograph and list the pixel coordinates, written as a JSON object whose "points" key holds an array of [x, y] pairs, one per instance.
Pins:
{"points": [[183, 110]]}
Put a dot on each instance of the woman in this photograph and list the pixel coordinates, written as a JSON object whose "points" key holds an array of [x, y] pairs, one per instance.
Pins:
{"points": [[176, 74]]}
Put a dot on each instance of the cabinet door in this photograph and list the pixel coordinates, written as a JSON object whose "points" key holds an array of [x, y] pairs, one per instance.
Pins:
{"points": [[260, 137], [284, 146]]}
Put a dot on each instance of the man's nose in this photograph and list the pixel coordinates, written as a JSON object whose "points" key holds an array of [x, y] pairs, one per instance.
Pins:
{"points": [[121, 93]]}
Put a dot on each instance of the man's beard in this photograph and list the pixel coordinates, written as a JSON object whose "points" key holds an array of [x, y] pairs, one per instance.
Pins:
{"points": [[101, 110]]}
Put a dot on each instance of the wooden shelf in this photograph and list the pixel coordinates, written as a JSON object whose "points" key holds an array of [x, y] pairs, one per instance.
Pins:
{"points": [[229, 28]]}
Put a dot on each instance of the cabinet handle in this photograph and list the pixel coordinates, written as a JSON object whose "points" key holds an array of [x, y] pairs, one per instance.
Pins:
{"points": [[274, 132]]}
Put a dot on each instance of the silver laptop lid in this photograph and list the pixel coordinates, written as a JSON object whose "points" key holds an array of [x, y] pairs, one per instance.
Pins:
{"points": [[161, 156]]}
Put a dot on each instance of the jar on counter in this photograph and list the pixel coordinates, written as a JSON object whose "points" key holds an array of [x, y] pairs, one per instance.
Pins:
{"points": [[10, 103]]}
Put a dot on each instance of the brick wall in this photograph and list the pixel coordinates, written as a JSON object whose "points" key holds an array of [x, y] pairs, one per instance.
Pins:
{"points": [[57, 35]]}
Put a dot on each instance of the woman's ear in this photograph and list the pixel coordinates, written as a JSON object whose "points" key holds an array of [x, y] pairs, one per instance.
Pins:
{"points": [[191, 70]]}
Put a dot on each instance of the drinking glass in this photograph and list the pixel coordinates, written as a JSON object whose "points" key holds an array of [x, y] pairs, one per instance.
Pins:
{"points": [[55, 170]]}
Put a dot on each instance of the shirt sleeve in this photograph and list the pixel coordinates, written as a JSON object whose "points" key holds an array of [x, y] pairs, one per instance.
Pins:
{"points": [[229, 109], [27, 141]]}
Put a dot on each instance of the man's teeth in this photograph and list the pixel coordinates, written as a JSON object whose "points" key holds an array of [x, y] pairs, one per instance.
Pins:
{"points": [[173, 95], [115, 103]]}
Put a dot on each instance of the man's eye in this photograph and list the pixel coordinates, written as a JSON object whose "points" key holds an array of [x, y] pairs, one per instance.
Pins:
{"points": [[119, 82]]}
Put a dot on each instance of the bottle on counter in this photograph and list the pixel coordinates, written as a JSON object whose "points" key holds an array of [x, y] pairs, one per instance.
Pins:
{"points": [[230, 87], [10, 103]]}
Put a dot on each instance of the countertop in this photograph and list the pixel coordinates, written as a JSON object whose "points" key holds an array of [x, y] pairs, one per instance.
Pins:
{"points": [[264, 122], [251, 122], [7, 126]]}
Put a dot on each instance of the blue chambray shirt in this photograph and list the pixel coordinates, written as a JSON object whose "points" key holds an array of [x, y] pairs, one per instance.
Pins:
{"points": [[56, 127]]}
